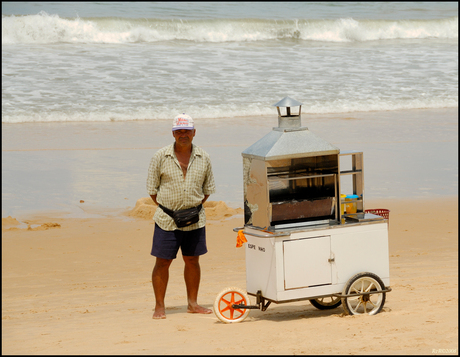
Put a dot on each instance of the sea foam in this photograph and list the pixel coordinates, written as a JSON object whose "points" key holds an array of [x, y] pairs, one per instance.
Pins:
{"points": [[44, 28]]}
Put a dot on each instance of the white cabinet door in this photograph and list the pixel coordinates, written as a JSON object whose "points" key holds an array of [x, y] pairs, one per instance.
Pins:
{"points": [[306, 262]]}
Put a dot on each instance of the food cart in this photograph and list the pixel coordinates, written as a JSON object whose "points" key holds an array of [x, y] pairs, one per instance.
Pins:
{"points": [[304, 240]]}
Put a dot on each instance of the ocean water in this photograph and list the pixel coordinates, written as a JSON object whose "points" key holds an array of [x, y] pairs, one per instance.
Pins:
{"points": [[103, 61], [89, 90]]}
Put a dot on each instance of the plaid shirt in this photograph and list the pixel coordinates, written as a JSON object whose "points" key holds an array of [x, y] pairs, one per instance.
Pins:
{"points": [[166, 180]]}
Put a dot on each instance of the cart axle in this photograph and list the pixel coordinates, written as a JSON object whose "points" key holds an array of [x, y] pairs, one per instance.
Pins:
{"points": [[261, 305], [241, 306], [387, 290]]}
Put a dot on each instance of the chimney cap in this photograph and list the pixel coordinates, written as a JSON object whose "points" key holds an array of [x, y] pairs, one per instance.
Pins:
{"points": [[287, 102]]}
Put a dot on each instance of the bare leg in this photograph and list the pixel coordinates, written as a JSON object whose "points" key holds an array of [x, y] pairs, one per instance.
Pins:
{"points": [[160, 276], [192, 275]]}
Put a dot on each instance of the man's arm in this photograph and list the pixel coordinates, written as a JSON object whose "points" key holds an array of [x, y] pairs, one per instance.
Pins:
{"points": [[153, 179]]}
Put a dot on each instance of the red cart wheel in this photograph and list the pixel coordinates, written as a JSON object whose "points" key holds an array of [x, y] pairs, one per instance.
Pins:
{"points": [[223, 305]]}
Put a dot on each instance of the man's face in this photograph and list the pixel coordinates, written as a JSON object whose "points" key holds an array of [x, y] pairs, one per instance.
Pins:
{"points": [[184, 137]]}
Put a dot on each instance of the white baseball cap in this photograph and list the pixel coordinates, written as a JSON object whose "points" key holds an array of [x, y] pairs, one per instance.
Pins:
{"points": [[183, 121]]}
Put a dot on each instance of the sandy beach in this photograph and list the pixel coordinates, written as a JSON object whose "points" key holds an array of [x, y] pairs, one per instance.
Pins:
{"points": [[89, 93], [77, 230], [83, 286]]}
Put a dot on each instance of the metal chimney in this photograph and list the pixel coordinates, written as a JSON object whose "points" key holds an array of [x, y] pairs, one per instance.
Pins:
{"points": [[289, 139], [288, 120]]}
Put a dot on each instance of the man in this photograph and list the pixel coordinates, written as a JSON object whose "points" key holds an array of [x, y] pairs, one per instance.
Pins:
{"points": [[180, 177]]}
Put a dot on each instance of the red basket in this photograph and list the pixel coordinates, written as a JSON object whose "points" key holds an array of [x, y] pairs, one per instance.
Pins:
{"points": [[385, 213]]}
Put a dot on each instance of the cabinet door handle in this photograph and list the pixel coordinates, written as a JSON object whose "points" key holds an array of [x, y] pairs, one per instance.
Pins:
{"points": [[330, 260]]}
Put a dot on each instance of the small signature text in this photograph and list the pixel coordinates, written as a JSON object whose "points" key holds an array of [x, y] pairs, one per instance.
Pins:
{"points": [[444, 350]]}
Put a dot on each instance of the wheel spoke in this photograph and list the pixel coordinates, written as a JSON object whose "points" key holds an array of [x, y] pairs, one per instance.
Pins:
{"points": [[357, 306], [229, 305], [370, 302], [364, 306], [370, 286], [226, 301]]}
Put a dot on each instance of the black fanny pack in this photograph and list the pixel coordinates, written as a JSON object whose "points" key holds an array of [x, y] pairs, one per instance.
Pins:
{"points": [[184, 217]]}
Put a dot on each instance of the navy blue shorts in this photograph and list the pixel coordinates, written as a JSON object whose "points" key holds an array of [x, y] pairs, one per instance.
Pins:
{"points": [[166, 244]]}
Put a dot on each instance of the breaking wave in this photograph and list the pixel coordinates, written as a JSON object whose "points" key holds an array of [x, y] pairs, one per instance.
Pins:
{"points": [[47, 29]]}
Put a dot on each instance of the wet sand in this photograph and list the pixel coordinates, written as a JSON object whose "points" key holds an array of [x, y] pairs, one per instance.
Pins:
{"points": [[53, 166]]}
